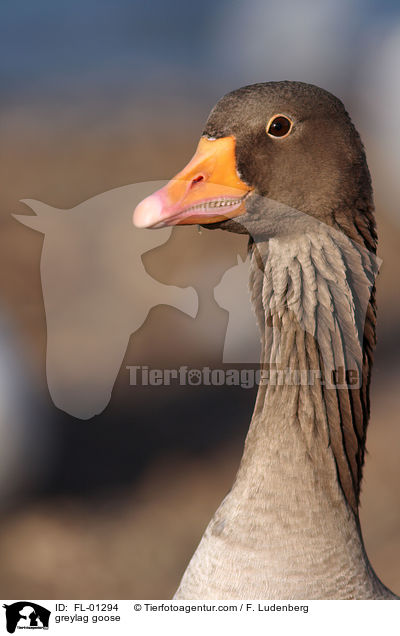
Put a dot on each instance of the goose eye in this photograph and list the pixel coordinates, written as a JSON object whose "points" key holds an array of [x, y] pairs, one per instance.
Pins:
{"points": [[279, 126]]}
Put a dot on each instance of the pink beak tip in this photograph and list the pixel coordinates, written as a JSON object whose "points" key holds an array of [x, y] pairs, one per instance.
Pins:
{"points": [[148, 212]]}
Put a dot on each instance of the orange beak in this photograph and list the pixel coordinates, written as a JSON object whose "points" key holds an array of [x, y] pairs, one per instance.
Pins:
{"points": [[207, 190]]}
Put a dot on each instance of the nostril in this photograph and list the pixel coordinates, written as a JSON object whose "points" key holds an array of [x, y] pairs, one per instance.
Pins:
{"points": [[197, 179]]}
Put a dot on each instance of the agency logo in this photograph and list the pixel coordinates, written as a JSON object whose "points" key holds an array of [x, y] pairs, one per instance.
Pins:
{"points": [[26, 615], [97, 292]]}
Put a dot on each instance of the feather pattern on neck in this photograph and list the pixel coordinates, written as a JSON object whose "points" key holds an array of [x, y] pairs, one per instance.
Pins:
{"points": [[289, 527], [314, 303]]}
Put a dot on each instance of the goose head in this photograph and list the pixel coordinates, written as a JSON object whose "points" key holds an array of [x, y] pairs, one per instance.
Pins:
{"points": [[273, 158]]}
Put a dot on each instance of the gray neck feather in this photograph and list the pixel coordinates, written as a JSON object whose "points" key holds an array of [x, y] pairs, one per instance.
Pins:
{"points": [[289, 527], [312, 297]]}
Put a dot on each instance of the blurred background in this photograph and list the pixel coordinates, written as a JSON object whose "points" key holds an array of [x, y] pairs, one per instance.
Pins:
{"points": [[96, 95]]}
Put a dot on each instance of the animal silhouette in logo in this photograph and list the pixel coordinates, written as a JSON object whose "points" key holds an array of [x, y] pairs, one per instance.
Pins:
{"points": [[96, 292], [25, 615], [242, 340]]}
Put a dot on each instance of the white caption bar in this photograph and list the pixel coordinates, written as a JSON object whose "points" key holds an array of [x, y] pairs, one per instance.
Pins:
{"points": [[200, 617]]}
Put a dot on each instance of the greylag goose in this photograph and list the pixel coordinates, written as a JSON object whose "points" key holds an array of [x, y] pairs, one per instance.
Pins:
{"points": [[283, 163]]}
